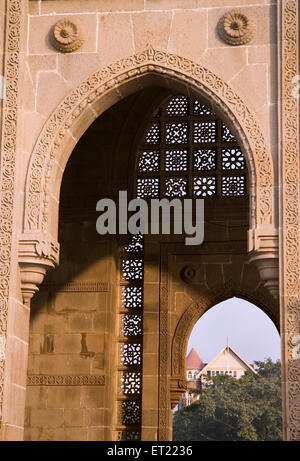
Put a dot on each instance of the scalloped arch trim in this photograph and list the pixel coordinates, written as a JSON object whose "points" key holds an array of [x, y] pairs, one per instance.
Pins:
{"points": [[48, 147]]}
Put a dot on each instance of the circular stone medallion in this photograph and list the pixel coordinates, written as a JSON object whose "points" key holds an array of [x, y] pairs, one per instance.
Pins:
{"points": [[236, 28], [66, 36]]}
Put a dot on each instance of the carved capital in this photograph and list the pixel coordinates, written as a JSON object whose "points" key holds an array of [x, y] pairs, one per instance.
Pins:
{"points": [[37, 254], [268, 267], [177, 387], [263, 240], [264, 253]]}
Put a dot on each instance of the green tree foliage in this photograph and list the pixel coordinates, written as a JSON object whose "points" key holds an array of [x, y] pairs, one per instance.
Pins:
{"points": [[248, 408]]}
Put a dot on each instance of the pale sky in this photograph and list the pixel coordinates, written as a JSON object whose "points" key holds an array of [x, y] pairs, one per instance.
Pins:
{"points": [[251, 333]]}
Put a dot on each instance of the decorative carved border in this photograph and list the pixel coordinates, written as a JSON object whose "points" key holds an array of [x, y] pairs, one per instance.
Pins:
{"points": [[163, 396], [8, 157], [290, 199], [61, 380], [76, 287], [182, 332], [47, 148]]}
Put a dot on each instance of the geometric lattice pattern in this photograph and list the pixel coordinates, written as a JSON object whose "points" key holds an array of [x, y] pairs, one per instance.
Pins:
{"points": [[132, 269], [192, 154], [131, 383], [201, 109], [136, 244], [205, 159], [176, 133], [131, 354], [130, 413], [226, 135], [130, 340], [132, 297], [233, 186], [204, 132], [148, 161], [153, 134], [178, 106], [147, 187], [233, 159], [132, 325], [176, 160], [205, 186], [176, 187]]}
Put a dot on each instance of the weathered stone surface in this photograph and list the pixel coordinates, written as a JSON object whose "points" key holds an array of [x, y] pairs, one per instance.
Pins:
{"points": [[72, 124]]}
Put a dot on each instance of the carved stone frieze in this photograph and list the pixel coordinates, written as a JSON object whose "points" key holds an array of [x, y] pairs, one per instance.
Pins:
{"points": [[62, 380], [288, 12], [12, 31], [77, 287]]}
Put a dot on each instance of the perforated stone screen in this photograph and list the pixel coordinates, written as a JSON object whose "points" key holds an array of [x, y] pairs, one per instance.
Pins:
{"points": [[188, 151]]}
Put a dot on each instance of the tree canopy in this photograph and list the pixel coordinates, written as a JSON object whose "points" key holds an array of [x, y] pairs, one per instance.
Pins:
{"points": [[232, 409]]}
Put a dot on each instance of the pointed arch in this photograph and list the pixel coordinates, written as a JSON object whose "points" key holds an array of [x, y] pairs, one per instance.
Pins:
{"points": [[193, 313], [111, 84]]}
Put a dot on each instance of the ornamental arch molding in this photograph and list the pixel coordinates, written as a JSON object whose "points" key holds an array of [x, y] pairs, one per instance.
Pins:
{"points": [[38, 242]]}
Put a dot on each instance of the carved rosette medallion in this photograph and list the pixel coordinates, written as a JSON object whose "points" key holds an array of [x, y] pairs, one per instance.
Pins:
{"points": [[188, 273], [66, 36], [236, 28]]}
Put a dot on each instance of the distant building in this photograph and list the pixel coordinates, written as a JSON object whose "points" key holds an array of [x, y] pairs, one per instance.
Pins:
{"points": [[226, 362]]}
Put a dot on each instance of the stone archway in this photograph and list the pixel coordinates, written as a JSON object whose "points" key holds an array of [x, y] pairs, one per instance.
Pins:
{"points": [[183, 302], [38, 243], [38, 247], [187, 321]]}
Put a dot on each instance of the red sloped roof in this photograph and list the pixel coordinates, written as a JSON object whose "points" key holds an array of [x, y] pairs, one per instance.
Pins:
{"points": [[193, 361]]}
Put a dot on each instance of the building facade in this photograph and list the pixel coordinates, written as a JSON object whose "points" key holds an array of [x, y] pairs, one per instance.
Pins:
{"points": [[159, 98], [226, 362]]}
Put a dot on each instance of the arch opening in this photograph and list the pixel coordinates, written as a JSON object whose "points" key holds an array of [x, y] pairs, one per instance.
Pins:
{"points": [[108, 86], [81, 302], [232, 370]]}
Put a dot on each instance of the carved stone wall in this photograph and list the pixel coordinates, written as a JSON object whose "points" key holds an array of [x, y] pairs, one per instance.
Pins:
{"points": [[71, 385], [8, 153], [48, 150], [290, 217], [125, 48], [13, 339], [222, 270]]}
